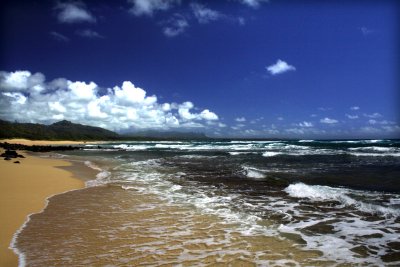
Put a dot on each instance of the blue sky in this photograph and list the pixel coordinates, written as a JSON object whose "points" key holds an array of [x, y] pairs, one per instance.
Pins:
{"points": [[243, 68]]}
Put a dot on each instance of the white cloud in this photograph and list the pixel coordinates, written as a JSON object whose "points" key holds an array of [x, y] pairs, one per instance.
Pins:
{"points": [[240, 119], [306, 124], [175, 25], [16, 98], [328, 121], [89, 34], [20, 80], [238, 126], [148, 7], [324, 108], [74, 13], [280, 118], [129, 94], [373, 115], [394, 128], [384, 122], [253, 3], [355, 108], [204, 14], [295, 131], [27, 97], [366, 31], [59, 37], [352, 117], [57, 107], [208, 115], [370, 130], [280, 67]]}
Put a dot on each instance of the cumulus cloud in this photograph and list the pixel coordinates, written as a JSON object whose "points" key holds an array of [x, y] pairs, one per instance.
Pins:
{"points": [[176, 25], [253, 3], [208, 115], [73, 12], [28, 97], [355, 108], [240, 119], [280, 67], [204, 14], [328, 121], [148, 7]]}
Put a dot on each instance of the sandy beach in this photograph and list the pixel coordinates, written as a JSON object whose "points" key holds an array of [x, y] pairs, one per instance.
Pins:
{"points": [[24, 189], [43, 142]]}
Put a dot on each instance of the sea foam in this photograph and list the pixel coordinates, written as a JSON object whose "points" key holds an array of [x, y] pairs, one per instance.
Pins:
{"points": [[341, 195]]}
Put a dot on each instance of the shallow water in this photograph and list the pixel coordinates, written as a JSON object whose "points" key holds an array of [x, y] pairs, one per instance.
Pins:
{"points": [[283, 203]]}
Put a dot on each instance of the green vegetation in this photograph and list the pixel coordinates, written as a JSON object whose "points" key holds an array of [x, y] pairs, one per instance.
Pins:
{"points": [[66, 130], [63, 130]]}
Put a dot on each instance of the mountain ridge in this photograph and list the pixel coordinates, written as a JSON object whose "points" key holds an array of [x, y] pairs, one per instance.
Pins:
{"points": [[67, 130]]}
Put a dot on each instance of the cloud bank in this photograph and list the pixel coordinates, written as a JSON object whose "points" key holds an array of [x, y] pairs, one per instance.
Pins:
{"points": [[27, 97]]}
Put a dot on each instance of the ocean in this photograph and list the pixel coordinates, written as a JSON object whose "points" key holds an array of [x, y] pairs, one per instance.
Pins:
{"points": [[224, 203]]}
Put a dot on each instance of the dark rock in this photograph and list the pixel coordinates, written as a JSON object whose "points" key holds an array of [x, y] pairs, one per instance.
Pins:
{"points": [[362, 251], [10, 154], [17, 161], [7, 158], [321, 228], [11, 147], [394, 245], [391, 256], [21, 156]]}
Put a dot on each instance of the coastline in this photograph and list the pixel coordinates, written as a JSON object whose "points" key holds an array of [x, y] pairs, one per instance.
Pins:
{"points": [[25, 189], [28, 142]]}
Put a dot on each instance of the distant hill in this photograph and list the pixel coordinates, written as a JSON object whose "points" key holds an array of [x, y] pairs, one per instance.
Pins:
{"points": [[66, 130], [62, 130]]}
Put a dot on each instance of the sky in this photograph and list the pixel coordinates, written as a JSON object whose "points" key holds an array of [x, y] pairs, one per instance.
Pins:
{"points": [[228, 68]]}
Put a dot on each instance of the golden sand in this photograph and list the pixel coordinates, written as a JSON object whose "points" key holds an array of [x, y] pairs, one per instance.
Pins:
{"points": [[43, 142], [24, 188]]}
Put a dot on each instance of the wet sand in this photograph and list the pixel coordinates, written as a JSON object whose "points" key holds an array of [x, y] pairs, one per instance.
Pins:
{"points": [[24, 189]]}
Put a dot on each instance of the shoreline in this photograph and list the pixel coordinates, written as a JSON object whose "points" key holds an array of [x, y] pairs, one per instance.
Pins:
{"points": [[28, 142], [26, 188]]}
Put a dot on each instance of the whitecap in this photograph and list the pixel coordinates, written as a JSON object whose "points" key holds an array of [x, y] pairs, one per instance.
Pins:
{"points": [[270, 154], [326, 193]]}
